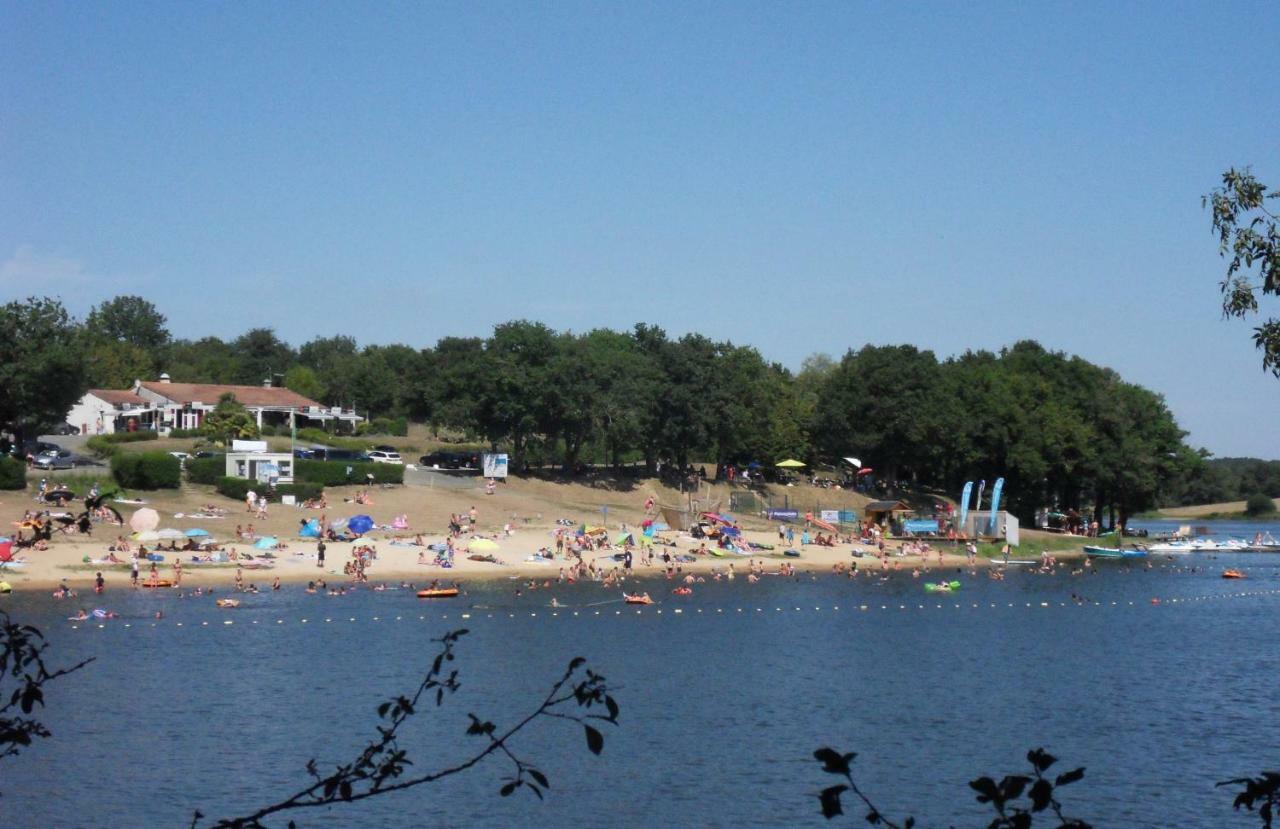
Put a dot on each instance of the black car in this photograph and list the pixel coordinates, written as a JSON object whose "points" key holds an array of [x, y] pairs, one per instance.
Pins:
{"points": [[65, 429], [451, 460]]}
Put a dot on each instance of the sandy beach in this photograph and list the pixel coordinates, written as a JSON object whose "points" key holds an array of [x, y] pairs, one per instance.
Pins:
{"points": [[520, 518]]}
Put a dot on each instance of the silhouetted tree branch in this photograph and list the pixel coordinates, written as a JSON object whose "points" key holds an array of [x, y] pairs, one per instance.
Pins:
{"points": [[22, 662], [382, 767]]}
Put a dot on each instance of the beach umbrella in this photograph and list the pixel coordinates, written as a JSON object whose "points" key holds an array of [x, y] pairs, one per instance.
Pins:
{"points": [[867, 471], [206, 541], [338, 524], [144, 519], [267, 542], [789, 463], [853, 461], [146, 535], [360, 524], [623, 538], [169, 533], [196, 533], [479, 544]]}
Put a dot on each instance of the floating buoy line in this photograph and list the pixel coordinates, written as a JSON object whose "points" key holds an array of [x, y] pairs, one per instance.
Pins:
{"points": [[588, 612]]}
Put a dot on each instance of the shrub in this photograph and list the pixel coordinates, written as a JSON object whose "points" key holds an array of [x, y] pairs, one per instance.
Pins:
{"points": [[13, 473], [186, 433], [1259, 504], [146, 470], [334, 473], [398, 426], [206, 470], [237, 488]]}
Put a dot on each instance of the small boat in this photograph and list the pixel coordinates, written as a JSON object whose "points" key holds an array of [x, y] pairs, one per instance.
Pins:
{"points": [[1114, 552], [228, 603], [642, 598], [438, 593], [156, 583], [1233, 574]]}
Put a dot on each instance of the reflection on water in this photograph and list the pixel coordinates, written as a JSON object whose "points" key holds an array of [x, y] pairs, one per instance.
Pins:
{"points": [[722, 704]]}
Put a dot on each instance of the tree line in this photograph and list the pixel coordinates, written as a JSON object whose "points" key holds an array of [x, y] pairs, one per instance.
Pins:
{"points": [[1063, 432]]}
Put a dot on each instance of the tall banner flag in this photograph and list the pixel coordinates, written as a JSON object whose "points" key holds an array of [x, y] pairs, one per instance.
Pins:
{"points": [[995, 505], [964, 504], [977, 505]]}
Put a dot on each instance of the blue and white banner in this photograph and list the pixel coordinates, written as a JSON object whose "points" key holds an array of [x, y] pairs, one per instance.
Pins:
{"points": [[783, 514], [995, 505], [982, 487], [964, 504]]}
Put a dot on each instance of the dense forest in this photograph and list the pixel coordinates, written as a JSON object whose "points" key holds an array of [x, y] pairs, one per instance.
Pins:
{"points": [[1063, 432]]}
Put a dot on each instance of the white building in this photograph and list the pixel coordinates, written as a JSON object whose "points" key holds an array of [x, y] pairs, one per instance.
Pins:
{"points": [[163, 405]]}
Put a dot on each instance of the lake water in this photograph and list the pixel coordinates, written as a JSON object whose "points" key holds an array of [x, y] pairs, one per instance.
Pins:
{"points": [[722, 704]]}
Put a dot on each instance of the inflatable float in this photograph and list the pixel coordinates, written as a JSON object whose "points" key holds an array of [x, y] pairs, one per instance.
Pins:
{"points": [[438, 593], [156, 583], [941, 587], [1233, 574], [639, 599], [228, 603]]}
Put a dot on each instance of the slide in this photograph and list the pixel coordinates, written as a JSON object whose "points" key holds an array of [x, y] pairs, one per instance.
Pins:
{"points": [[823, 525]]}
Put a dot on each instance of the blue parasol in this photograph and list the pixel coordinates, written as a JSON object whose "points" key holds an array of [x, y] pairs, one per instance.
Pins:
{"points": [[359, 524]]}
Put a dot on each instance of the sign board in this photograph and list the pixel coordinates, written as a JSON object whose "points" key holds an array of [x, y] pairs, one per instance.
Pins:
{"points": [[831, 516], [248, 446], [268, 472], [848, 516], [783, 514], [289, 500], [495, 465]]}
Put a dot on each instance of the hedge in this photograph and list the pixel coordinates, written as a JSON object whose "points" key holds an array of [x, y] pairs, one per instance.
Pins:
{"points": [[334, 473], [13, 473], [186, 433], [104, 446], [146, 470], [237, 488], [206, 470]]}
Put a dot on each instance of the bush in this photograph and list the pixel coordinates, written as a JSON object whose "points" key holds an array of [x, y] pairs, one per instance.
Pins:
{"points": [[146, 470], [13, 473], [206, 470], [334, 473], [186, 433], [1259, 504], [398, 426], [237, 488]]}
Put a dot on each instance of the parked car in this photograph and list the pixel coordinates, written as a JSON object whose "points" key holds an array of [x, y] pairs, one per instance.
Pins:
{"points": [[451, 460], [181, 456], [379, 456], [34, 447], [205, 453], [59, 459], [65, 429]]}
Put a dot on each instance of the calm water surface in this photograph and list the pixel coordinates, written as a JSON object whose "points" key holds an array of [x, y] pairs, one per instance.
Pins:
{"points": [[721, 709]]}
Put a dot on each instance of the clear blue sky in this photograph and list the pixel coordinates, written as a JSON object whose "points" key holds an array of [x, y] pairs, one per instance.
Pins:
{"points": [[801, 177]]}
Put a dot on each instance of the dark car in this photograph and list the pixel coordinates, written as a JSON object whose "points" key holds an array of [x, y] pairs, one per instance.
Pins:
{"points": [[65, 429], [34, 447], [451, 460], [205, 453]]}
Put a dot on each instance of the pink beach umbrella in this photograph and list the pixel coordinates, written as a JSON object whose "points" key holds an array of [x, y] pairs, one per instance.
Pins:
{"points": [[144, 519]]}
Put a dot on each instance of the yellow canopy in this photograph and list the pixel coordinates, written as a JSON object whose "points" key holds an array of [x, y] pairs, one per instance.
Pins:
{"points": [[789, 463]]}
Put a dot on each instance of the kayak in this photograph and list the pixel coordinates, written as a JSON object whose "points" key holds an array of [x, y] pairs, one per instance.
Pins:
{"points": [[791, 554], [438, 593], [156, 583], [941, 587], [1233, 574]]}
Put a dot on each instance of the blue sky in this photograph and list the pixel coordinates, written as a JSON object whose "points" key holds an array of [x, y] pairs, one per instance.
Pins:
{"points": [[799, 177]]}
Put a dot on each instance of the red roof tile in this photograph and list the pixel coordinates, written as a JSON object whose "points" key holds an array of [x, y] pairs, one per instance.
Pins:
{"points": [[245, 395]]}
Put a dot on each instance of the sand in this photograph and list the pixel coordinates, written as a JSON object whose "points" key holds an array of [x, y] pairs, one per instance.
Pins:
{"points": [[520, 518]]}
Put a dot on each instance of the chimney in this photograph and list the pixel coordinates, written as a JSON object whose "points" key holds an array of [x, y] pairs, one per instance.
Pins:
{"points": [[266, 384], [164, 378]]}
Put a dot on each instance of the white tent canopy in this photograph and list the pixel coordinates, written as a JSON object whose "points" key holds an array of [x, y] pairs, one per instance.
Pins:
{"points": [[855, 462]]}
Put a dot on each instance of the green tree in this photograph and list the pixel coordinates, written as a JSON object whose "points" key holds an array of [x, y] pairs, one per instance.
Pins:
{"points": [[115, 365], [41, 367], [1249, 239], [208, 360], [128, 319], [303, 380], [259, 356], [229, 421], [1259, 504], [334, 361]]}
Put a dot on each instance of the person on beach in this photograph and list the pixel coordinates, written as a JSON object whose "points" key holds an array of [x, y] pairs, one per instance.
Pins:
{"points": [[472, 515], [250, 498], [320, 553], [133, 568], [99, 584]]}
